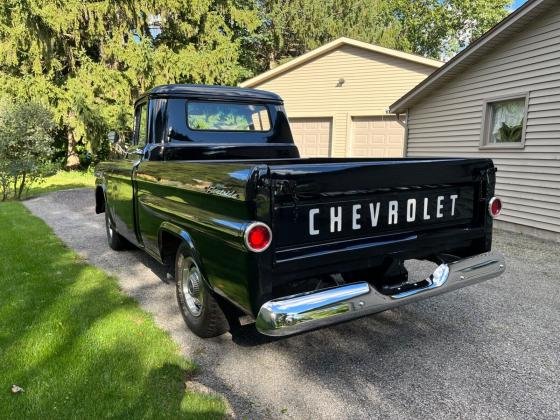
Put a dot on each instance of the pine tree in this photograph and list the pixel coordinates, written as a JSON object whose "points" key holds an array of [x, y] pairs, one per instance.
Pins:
{"points": [[88, 60]]}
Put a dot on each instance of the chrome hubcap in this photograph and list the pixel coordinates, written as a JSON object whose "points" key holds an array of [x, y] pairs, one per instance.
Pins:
{"points": [[109, 229], [192, 285]]}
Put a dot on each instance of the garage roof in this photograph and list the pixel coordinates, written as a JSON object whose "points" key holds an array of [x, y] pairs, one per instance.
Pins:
{"points": [[513, 23], [332, 46]]}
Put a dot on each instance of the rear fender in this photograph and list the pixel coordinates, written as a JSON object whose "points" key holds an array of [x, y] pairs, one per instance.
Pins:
{"points": [[183, 237]]}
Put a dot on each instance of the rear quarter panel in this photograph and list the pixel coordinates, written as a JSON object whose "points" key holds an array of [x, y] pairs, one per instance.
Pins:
{"points": [[212, 202]]}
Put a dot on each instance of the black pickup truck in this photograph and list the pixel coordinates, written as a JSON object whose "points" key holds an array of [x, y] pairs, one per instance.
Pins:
{"points": [[213, 185]]}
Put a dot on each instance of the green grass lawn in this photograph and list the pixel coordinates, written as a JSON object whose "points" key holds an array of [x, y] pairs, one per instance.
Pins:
{"points": [[63, 180], [75, 343]]}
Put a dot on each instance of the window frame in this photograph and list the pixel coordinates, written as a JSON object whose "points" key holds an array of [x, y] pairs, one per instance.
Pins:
{"points": [[487, 121], [256, 103], [138, 119]]}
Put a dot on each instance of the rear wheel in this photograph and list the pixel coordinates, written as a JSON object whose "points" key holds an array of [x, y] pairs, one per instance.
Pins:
{"points": [[115, 240], [200, 310]]}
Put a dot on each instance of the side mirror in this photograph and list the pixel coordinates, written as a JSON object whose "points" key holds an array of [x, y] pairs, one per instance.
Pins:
{"points": [[113, 136]]}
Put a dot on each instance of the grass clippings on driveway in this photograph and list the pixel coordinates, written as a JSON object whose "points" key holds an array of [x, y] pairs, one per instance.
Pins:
{"points": [[74, 343]]}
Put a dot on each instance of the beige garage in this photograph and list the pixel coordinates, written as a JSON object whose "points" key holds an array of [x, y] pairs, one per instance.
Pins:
{"points": [[381, 136], [312, 136], [337, 97]]}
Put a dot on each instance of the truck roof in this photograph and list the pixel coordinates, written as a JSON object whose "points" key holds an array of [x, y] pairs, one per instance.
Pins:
{"points": [[211, 92]]}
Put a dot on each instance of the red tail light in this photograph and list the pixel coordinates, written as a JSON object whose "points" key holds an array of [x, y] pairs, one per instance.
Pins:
{"points": [[495, 206], [258, 237]]}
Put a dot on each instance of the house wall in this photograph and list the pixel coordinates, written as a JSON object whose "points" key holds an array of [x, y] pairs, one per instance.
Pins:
{"points": [[372, 82], [448, 122]]}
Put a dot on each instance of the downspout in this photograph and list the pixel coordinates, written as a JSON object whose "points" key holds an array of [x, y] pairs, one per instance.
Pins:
{"points": [[405, 126]]}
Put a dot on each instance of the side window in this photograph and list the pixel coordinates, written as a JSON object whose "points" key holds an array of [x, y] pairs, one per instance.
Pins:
{"points": [[142, 125]]}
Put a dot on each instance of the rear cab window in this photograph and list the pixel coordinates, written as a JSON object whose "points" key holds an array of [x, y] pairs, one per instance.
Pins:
{"points": [[224, 116]]}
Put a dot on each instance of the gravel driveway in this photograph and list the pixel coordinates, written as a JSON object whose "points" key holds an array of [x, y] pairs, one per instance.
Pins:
{"points": [[488, 351]]}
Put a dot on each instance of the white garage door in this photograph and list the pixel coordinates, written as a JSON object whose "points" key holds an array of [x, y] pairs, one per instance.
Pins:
{"points": [[312, 136], [376, 137]]}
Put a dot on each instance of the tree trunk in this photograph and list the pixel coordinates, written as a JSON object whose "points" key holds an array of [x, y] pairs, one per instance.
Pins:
{"points": [[72, 158], [15, 185], [21, 186], [5, 185]]}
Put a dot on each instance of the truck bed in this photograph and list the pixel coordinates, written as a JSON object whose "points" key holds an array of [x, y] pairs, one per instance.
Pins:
{"points": [[217, 198]]}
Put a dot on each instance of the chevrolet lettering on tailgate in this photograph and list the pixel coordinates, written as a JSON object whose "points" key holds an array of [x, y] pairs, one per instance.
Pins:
{"points": [[387, 212], [395, 212]]}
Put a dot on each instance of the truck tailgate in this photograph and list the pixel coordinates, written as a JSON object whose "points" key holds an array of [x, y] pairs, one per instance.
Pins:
{"points": [[336, 202]]}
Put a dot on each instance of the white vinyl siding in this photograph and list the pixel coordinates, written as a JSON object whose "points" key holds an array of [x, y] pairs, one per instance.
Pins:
{"points": [[448, 122]]}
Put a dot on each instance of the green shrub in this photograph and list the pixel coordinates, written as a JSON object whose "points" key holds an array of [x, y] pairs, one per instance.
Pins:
{"points": [[26, 147]]}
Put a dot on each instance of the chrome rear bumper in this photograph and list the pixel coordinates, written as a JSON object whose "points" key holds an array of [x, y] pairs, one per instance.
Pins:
{"points": [[306, 311]]}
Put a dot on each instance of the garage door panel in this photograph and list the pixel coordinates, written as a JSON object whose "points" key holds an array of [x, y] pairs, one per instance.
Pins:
{"points": [[393, 139], [312, 136], [361, 140], [361, 124], [377, 139], [364, 151], [296, 125], [394, 152], [381, 136]]}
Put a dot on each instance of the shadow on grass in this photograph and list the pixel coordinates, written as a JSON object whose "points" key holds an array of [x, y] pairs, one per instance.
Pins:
{"points": [[75, 344]]}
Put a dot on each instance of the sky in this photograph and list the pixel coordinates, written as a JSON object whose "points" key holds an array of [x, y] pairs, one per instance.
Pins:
{"points": [[518, 3]]}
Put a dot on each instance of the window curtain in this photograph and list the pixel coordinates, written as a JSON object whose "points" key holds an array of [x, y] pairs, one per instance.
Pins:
{"points": [[507, 121]]}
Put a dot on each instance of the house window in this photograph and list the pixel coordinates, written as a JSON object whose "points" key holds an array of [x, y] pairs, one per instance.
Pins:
{"points": [[505, 122]]}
